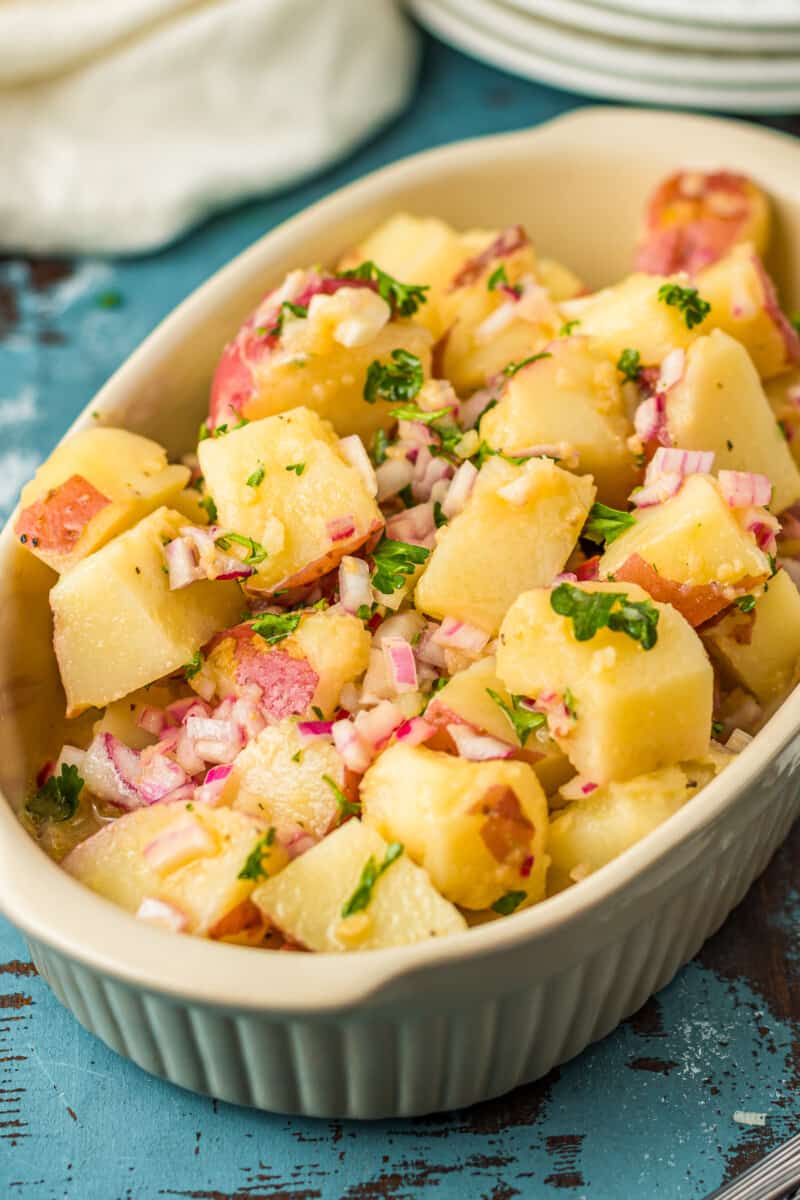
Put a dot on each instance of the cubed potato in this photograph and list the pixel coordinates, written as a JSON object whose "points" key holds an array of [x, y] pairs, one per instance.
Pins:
{"points": [[190, 859], [783, 395], [279, 776], [478, 828], [318, 362], [303, 671], [561, 281], [745, 305], [719, 404], [590, 832], [502, 544], [116, 624], [310, 507], [305, 901], [571, 400], [631, 710], [630, 315], [693, 218], [760, 649], [465, 698], [95, 484], [422, 250], [190, 503], [693, 538]]}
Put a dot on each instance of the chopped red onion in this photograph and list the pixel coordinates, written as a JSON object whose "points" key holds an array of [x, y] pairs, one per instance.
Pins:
{"points": [[212, 787], [377, 725], [341, 527], [414, 731], [460, 488], [111, 772], [473, 408], [407, 625], [519, 489], [353, 450], [161, 912], [160, 776], [650, 420], [355, 590], [392, 476], [152, 720], [497, 320], [182, 566], [401, 664], [460, 635], [435, 471], [214, 740], [661, 489], [672, 369], [355, 752], [478, 747], [668, 460], [565, 577], [741, 489], [314, 729], [70, 756], [428, 649], [178, 845]]}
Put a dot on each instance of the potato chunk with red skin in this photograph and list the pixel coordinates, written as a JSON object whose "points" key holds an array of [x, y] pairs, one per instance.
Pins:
{"points": [[694, 218], [571, 400], [261, 372], [303, 671], [94, 485], [284, 482], [629, 710], [478, 829]]}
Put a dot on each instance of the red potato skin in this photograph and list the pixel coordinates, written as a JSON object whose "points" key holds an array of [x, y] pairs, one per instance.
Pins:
{"points": [[684, 231], [507, 833], [506, 243], [320, 566], [56, 522], [697, 603], [287, 683]]}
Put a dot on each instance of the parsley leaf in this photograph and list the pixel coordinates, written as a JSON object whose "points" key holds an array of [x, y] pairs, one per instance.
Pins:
{"points": [[298, 468], [687, 300], [393, 562], [591, 611], [511, 368], [406, 494], [211, 509], [569, 704], [203, 432], [567, 328], [523, 720], [274, 627], [717, 728], [379, 447], [194, 665], [499, 279], [745, 603], [485, 451], [439, 519], [297, 310], [606, 524], [255, 551], [254, 866], [257, 476], [57, 798], [369, 877], [629, 364], [509, 903], [404, 298], [347, 808], [413, 412], [401, 379]]}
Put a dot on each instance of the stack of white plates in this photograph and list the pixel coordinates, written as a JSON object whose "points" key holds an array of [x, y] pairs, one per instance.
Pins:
{"points": [[729, 55]]}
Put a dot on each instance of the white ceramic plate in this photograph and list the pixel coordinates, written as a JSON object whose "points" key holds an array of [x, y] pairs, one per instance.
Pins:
{"points": [[608, 22], [451, 1021], [557, 64], [746, 14]]}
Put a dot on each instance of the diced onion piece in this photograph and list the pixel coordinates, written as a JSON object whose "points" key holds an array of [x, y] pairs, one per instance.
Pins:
{"points": [[212, 787], [661, 489], [459, 635], [314, 729], [414, 731], [353, 450], [400, 664], [392, 476], [738, 741], [111, 772], [428, 649], [478, 747], [214, 740], [519, 489], [178, 846], [161, 912], [668, 460], [354, 584], [70, 756], [414, 525], [578, 788], [650, 420], [741, 489], [672, 369], [496, 321], [182, 567], [152, 720], [407, 625], [159, 777], [355, 752], [458, 492], [377, 725]]}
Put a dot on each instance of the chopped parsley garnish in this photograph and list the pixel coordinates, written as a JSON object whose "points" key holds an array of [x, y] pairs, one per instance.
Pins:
{"points": [[57, 798], [347, 808], [412, 412], [406, 495], [439, 519], [400, 379], [485, 451], [773, 565], [210, 507], [569, 704], [605, 524], [404, 298], [364, 612], [298, 468], [255, 551], [498, 279], [379, 447], [688, 302], [509, 903], [745, 603], [318, 713], [220, 430], [794, 321], [717, 728], [393, 562], [369, 877], [591, 611], [274, 627], [194, 665], [629, 364], [257, 476], [297, 310], [523, 720], [567, 328], [297, 756], [511, 368], [203, 432], [492, 404], [254, 863]]}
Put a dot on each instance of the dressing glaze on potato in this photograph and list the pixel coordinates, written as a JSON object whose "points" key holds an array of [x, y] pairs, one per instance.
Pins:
{"points": [[467, 582]]}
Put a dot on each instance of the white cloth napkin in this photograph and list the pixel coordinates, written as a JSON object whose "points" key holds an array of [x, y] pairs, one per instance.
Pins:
{"points": [[123, 122]]}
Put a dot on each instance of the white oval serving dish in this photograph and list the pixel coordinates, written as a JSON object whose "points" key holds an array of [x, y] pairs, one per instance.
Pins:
{"points": [[446, 1023]]}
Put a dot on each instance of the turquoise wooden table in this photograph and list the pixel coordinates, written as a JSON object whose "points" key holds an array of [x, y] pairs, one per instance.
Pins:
{"points": [[699, 1083]]}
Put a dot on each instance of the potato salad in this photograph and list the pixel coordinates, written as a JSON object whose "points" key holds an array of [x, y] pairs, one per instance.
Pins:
{"points": [[473, 579]]}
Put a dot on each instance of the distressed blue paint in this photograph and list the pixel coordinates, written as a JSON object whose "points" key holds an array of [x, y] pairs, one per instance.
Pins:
{"points": [[647, 1113]]}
